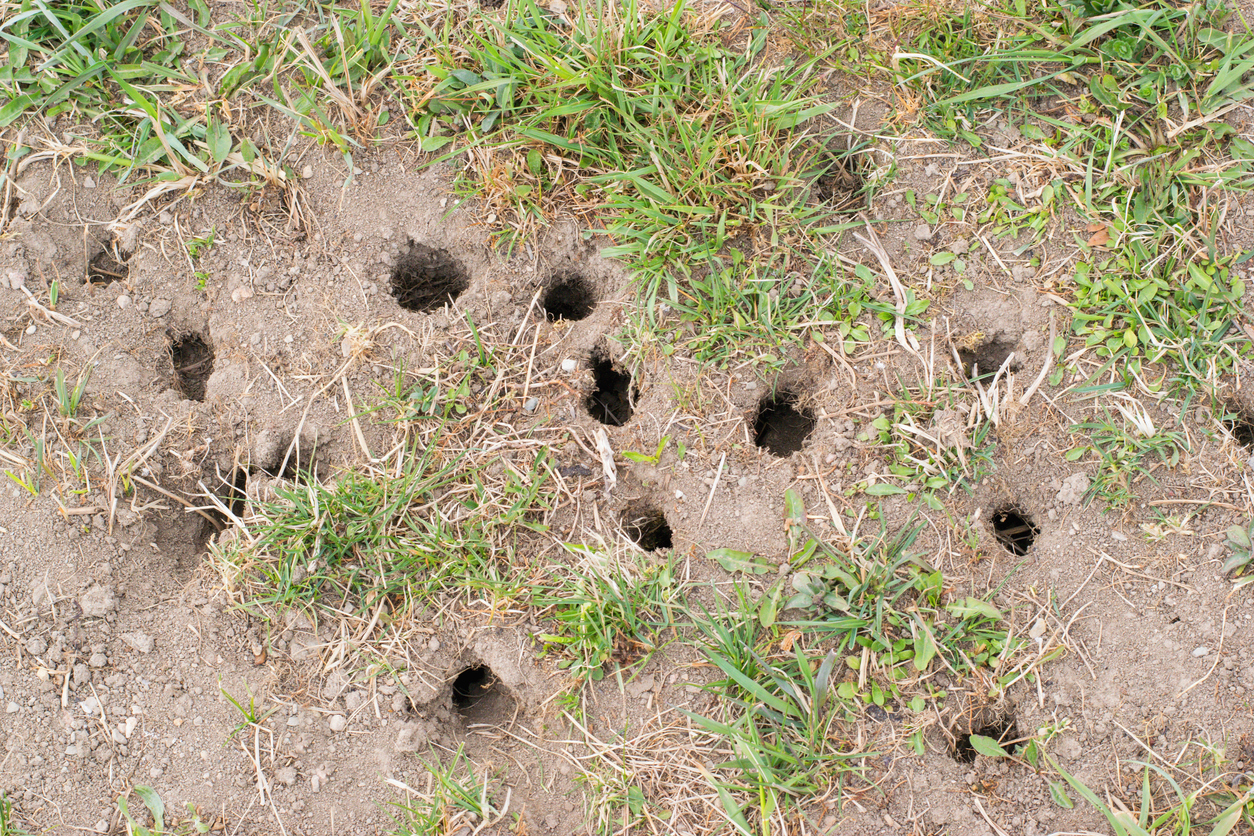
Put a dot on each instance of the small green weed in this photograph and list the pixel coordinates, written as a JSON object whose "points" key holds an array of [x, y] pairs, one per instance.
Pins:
{"points": [[1127, 450], [458, 798], [604, 612], [156, 810], [9, 827], [1240, 543], [251, 713]]}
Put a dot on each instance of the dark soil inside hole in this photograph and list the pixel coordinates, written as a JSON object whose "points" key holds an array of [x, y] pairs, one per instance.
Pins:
{"points": [[571, 297], [233, 495], [983, 361], [1240, 422], [106, 268], [840, 184], [426, 279], [292, 463], [781, 428], [1014, 530], [192, 357], [1003, 731], [648, 528], [480, 698], [611, 401]]}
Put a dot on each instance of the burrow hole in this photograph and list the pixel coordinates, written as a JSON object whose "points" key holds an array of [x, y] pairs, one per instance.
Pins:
{"points": [[1004, 730], [479, 696], [570, 297], [108, 266], [781, 426], [983, 361], [647, 527], [233, 494], [291, 462], [1014, 530], [611, 401], [426, 278], [1240, 422], [192, 357], [840, 183]]}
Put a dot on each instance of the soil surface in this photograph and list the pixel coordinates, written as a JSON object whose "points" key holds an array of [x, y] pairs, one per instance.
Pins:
{"points": [[126, 661]]}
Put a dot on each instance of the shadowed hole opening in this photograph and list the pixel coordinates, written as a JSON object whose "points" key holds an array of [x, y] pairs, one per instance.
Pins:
{"points": [[107, 267], [983, 361], [481, 698], [571, 297], [1004, 731], [840, 179], [648, 528], [1014, 530], [426, 278], [192, 358], [781, 427], [292, 463], [233, 495], [611, 401], [1240, 422]]}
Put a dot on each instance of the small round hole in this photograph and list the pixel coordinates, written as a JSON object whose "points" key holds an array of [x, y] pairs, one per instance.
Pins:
{"points": [[648, 529], [984, 360], [426, 279], [192, 357], [1005, 731], [107, 267], [571, 297], [611, 401], [1240, 422], [781, 428], [471, 686], [1014, 530]]}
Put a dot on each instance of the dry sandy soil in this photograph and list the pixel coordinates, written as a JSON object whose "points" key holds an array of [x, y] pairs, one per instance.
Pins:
{"points": [[123, 647]]}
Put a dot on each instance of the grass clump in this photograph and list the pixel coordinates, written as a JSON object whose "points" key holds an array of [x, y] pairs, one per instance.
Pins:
{"points": [[603, 613], [437, 514], [673, 126]]}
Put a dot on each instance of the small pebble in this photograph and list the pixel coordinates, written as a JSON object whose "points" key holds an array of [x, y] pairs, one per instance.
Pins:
{"points": [[531, 404], [124, 301], [1199, 652], [306, 172], [30, 329], [569, 364], [338, 723]]}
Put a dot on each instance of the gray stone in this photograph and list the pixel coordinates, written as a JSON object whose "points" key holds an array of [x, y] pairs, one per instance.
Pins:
{"points": [[140, 641], [159, 307], [98, 601]]}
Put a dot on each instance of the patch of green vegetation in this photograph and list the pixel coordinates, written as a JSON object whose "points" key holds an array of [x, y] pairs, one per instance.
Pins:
{"points": [[458, 798], [1127, 450], [887, 617], [675, 128], [8, 826], [435, 515], [750, 313], [156, 824], [604, 611]]}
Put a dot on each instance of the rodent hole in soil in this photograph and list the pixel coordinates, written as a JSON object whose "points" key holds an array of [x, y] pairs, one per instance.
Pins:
{"points": [[611, 401], [234, 496], [648, 528], [426, 278], [479, 696], [1014, 530], [1004, 731], [107, 267], [984, 360], [291, 463], [1240, 422], [570, 297], [781, 427], [840, 181], [192, 357]]}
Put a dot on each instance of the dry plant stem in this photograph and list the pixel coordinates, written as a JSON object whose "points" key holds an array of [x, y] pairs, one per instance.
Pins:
{"points": [[1049, 362], [872, 242], [1218, 655]]}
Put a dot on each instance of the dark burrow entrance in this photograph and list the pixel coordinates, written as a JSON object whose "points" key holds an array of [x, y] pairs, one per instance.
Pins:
{"points": [[611, 401], [479, 696], [781, 427], [840, 182], [1240, 422], [426, 278], [1003, 730], [647, 527], [192, 358], [983, 361], [107, 267], [233, 495], [291, 462], [570, 297], [1014, 530]]}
